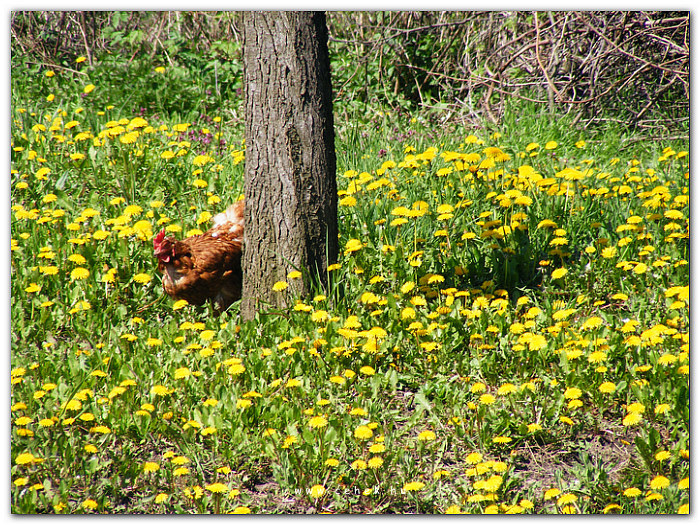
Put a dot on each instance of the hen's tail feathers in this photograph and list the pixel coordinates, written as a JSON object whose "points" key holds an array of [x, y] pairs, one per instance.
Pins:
{"points": [[230, 220]]}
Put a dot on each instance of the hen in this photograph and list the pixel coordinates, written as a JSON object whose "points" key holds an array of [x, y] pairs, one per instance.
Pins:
{"points": [[207, 266]]}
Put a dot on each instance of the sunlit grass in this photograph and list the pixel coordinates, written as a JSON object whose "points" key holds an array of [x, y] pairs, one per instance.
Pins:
{"points": [[495, 300]]}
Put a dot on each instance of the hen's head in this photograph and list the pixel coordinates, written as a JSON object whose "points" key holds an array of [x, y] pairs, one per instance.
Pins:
{"points": [[163, 247]]}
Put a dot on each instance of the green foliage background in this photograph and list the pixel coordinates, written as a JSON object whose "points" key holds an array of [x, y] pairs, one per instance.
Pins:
{"points": [[508, 330]]}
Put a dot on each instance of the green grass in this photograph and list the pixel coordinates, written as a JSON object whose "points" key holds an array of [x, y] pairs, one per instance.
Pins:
{"points": [[507, 331]]}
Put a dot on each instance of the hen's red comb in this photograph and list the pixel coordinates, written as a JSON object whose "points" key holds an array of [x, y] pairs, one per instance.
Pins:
{"points": [[158, 239]]}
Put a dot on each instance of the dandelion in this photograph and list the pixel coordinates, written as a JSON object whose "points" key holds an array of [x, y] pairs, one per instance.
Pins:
{"points": [[413, 486], [559, 273], [359, 464], [493, 483], [25, 458], [407, 287], [662, 408], [20, 482], [592, 323], [632, 492], [293, 383], [318, 422], [632, 419], [217, 488], [320, 316], [363, 432], [572, 393], [150, 466], [474, 458], [142, 278], [566, 499], [637, 408], [487, 399], [79, 273], [89, 504], [353, 245], [160, 390], [640, 268], [348, 201], [659, 482], [551, 493], [607, 388], [662, 455], [611, 507], [280, 286], [377, 448], [427, 435], [182, 373], [506, 388]]}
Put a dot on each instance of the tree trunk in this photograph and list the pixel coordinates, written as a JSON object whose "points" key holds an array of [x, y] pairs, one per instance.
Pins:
{"points": [[291, 220]]}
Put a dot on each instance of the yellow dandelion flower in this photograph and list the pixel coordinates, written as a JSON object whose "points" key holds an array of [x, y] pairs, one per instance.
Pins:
{"points": [[280, 286], [551, 493], [318, 422], [32, 288], [572, 393], [427, 435], [607, 387], [177, 305], [559, 273], [413, 486], [359, 464], [142, 278], [79, 274], [89, 504], [566, 499], [217, 488], [632, 419], [363, 432], [659, 482], [612, 507], [317, 491], [160, 390], [506, 388], [150, 466], [353, 245]]}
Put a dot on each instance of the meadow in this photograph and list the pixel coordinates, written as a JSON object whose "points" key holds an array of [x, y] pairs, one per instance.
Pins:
{"points": [[507, 329]]}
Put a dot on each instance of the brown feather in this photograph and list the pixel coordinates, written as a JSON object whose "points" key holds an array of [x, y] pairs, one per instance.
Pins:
{"points": [[207, 266]]}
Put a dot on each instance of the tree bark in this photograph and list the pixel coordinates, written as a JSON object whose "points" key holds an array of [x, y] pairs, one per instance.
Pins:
{"points": [[290, 181]]}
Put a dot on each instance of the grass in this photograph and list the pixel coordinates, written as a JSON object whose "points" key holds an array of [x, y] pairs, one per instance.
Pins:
{"points": [[507, 332]]}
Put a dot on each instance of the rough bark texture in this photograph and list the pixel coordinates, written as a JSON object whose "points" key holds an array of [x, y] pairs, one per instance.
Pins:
{"points": [[290, 180]]}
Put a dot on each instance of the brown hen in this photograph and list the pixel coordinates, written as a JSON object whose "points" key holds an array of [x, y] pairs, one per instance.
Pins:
{"points": [[207, 266]]}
